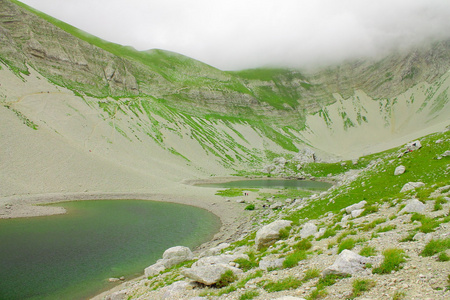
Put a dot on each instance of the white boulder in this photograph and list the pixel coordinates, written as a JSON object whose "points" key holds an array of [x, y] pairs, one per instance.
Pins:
{"points": [[411, 186], [271, 263], [415, 145], [154, 269], [308, 229], [216, 250], [176, 255], [220, 259], [412, 206], [208, 275], [270, 233], [357, 212], [355, 206], [399, 170], [347, 263]]}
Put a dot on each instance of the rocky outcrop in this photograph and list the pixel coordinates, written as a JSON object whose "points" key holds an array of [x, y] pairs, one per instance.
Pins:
{"points": [[209, 274], [412, 206], [411, 186], [308, 230], [171, 257]]}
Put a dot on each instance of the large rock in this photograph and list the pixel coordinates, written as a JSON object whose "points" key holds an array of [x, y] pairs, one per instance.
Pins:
{"points": [[399, 170], [171, 257], [270, 233], [416, 145], [308, 229], [210, 274], [411, 186], [224, 259], [355, 206], [154, 269], [357, 212], [120, 295], [347, 263], [412, 206], [176, 290], [176, 255], [216, 250]]}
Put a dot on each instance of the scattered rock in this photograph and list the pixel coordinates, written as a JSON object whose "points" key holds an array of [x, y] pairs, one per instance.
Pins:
{"points": [[411, 186], [289, 298], [347, 263], [276, 205], [308, 230], [399, 170], [270, 233], [446, 153], [356, 206], [412, 206], [240, 201], [176, 255], [208, 275], [357, 212], [216, 250], [113, 279], [320, 232], [415, 145], [120, 295], [154, 269], [271, 263], [220, 259]]}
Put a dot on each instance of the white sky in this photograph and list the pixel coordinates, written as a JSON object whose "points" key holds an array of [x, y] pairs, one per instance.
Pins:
{"points": [[238, 34]]}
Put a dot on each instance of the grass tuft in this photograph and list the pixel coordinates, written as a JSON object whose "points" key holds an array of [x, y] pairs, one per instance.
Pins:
{"points": [[393, 258]]}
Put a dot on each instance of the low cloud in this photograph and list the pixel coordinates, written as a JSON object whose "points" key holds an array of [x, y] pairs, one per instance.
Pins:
{"points": [[240, 34]]}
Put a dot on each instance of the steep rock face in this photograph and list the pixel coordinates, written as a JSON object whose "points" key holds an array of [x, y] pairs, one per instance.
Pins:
{"points": [[28, 40]]}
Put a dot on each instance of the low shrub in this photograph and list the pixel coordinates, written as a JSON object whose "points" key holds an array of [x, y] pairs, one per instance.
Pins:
{"points": [[248, 295], [310, 274], [250, 207], [303, 244]]}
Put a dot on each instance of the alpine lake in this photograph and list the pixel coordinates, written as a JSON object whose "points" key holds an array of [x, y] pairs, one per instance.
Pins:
{"points": [[72, 256]]}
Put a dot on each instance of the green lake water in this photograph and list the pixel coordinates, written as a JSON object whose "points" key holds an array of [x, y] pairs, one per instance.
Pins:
{"points": [[272, 184], [71, 256]]}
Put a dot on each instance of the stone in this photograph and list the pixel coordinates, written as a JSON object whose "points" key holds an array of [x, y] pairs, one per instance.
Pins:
{"points": [[357, 212], [154, 269], [412, 206], [308, 229], [288, 298], [347, 263], [215, 250], [113, 279], [276, 205], [355, 206], [220, 259], [175, 290], [271, 263], [240, 201], [120, 295], [176, 255], [446, 153], [270, 233], [399, 170], [415, 145], [320, 232], [208, 275], [411, 186]]}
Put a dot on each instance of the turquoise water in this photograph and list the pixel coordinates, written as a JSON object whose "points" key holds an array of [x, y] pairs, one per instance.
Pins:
{"points": [[273, 184], [71, 256]]}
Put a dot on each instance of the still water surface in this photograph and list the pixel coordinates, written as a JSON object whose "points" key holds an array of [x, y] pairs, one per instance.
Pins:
{"points": [[272, 184], [71, 256]]}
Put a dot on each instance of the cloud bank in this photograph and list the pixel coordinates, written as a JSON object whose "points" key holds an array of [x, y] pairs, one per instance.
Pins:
{"points": [[239, 34]]}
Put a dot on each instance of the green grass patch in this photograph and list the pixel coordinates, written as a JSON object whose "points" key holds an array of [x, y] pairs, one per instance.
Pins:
{"points": [[348, 244], [287, 283], [292, 259], [368, 251], [248, 295], [435, 246], [360, 286], [234, 192], [303, 244], [310, 274], [393, 258], [225, 279]]}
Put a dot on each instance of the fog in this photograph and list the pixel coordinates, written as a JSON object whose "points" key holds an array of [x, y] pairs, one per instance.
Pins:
{"points": [[234, 34]]}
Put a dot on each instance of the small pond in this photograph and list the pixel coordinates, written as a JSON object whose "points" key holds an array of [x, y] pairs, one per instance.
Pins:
{"points": [[272, 184], [71, 256]]}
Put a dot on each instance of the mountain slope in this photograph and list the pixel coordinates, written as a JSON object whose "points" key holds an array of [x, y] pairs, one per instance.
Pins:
{"points": [[108, 112]]}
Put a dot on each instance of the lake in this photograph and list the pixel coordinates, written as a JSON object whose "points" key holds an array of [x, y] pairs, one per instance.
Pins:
{"points": [[272, 184], [72, 256]]}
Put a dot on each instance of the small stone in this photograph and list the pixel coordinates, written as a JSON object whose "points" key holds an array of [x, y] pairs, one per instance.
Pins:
{"points": [[399, 170]]}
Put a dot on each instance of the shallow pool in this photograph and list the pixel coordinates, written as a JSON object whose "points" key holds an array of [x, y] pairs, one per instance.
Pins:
{"points": [[71, 256]]}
